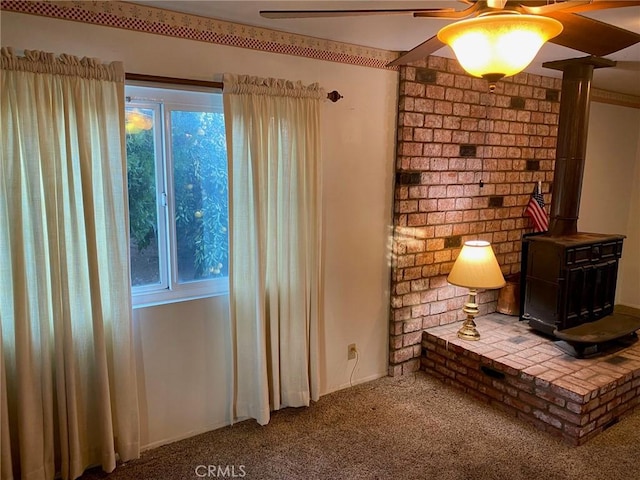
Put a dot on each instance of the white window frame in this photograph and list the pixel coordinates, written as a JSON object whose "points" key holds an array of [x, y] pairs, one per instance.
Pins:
{"points": [[163, 99]]}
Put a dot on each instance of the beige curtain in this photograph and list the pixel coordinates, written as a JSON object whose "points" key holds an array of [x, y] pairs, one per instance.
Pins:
{"points": [[68, 379], [273, 137]]}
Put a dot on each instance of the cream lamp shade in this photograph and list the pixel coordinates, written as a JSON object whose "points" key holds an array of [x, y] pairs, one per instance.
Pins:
{"points": [[497, 45], [476, 267]]}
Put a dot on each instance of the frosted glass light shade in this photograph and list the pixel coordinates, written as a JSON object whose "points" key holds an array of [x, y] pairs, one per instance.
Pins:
{"points": [[476, 267], [498, 45]]}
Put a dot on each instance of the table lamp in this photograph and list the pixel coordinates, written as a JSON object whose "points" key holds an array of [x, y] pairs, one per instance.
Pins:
{"points": [[475, 268]]}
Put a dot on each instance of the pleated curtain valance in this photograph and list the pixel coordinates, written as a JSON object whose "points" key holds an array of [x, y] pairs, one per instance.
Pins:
{"points": [[247, 84], [36, 61]]}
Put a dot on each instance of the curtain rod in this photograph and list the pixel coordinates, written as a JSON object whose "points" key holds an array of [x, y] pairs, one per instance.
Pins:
{"points": [[140, 77]]}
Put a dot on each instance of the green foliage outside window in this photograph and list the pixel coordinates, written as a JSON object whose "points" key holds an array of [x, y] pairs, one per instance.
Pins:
{"points": [[200, 189], [141, 176], [200, 192]]}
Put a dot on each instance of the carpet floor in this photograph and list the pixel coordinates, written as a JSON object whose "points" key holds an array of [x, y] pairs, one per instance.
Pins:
{"points": [[411, 427]]}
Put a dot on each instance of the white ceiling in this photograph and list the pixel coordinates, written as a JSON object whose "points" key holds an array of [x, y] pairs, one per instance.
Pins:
{"points": [[403, 32]]}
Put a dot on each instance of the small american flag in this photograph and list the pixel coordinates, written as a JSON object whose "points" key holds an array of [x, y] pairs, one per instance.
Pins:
{"points": [[535, 209]]}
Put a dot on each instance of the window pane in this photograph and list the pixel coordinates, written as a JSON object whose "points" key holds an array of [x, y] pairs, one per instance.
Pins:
{"points": [[143, 211], [199, 154]]}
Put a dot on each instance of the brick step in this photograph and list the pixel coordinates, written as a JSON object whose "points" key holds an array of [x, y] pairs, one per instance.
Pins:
{"points": [[530, 376]]}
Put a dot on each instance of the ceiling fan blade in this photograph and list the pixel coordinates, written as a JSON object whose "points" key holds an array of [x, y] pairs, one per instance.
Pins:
{"points": [[599, 5], [554, 7], [418, 53], [592, 36], [348, 13], [450, 12], [628, 65]]}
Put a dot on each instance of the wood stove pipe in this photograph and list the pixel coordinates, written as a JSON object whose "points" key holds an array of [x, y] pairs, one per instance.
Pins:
{"points": [[573, 125]]}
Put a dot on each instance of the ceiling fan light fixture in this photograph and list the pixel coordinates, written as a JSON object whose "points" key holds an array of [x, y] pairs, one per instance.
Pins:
{"points": [[137, 121], [498, 45]]}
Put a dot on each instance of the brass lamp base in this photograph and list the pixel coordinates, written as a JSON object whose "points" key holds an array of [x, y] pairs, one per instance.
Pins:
{"points": [[468, 330]]}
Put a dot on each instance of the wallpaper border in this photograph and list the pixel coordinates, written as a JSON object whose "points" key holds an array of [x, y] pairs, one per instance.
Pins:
{"points": [[158, 21]]}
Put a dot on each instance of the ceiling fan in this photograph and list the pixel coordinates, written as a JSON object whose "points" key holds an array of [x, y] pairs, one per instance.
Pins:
{"points": [[578, 32]]}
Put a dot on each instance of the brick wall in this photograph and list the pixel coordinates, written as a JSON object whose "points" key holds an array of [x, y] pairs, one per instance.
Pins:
{"points": [[453, 133]]}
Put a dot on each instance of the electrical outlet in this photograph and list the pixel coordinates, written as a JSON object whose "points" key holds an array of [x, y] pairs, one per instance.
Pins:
{"points": [[352, 350]]}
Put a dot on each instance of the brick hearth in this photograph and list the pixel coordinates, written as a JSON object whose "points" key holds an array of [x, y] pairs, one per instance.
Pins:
{"points": [[529, 376]]}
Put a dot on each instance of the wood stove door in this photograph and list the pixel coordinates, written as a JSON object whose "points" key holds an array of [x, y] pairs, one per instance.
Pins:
{"points": [[588, 293]]}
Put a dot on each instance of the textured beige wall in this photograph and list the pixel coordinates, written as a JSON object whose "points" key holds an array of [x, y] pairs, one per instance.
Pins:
{"points": [[610, 201]]}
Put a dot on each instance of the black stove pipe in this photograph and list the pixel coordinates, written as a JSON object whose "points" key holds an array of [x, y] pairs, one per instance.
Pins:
{"points": [[573, 125]]}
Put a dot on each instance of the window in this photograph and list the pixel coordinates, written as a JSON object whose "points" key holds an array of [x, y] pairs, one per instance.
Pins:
{"points": [[178, 195]]}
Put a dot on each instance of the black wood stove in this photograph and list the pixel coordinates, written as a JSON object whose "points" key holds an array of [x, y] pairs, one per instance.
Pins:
{"points": [[568, 277], [570, 280]]}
